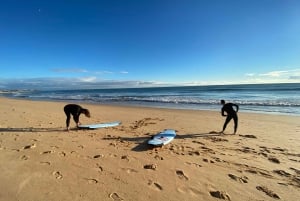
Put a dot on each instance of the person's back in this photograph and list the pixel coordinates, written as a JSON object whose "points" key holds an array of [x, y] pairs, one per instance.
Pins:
{"points": [[75, 111], [228, 108], [72, 109], [230, 114]]}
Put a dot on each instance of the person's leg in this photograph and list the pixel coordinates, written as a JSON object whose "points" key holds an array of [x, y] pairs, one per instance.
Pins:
{"points": [[68, 119], [76, 119], [235, 119], [228, 118]]}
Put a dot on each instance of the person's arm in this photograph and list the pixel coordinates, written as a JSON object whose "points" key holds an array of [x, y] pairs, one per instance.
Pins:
{"points": [[222, 112], [237, 107]]}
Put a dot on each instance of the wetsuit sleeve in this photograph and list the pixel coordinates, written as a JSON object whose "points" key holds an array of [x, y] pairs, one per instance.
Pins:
{"points": [[237, 107], [222, 111]]}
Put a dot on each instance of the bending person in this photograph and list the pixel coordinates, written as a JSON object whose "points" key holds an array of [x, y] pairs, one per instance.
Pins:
{"points": [[75, 111], [230, 114]]}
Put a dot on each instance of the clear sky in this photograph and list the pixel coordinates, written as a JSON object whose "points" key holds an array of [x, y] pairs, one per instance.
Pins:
{"points": [[120, 43]]}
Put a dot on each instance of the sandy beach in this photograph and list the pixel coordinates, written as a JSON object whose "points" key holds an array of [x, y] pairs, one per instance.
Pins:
{"points": [[42, 161]]}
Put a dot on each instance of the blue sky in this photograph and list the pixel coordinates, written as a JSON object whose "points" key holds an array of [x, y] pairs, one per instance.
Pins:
{"points": [[133, 43]]}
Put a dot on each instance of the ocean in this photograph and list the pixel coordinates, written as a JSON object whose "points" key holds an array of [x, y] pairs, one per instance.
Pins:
{"points": [[258, 98]]}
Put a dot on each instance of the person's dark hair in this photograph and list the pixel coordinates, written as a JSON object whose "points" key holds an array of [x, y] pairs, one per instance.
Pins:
{"points": [[86, 112], [222, 101]]}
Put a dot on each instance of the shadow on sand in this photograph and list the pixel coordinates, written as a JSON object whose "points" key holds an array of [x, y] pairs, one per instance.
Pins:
{"points": [[31, 129], [200, 135], [142, 144]]}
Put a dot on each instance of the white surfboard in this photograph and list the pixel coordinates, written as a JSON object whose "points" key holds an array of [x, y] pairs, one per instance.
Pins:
{"points": [[101, 125], [163, 138]]}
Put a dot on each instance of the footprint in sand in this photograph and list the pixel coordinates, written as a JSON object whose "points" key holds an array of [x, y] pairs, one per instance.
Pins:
{"points": [[115, 197], [217, 139], [150, 166], [47, 152], [280, 149], [208, 161], [129, 170], [63, 154], [194, 164], [100, 168], [240, 179], [144, 122], [296, 170], [262, 172], [248, 136], [157, 157], [45, 163], [29, 146], [159, 187], [282, 173], [198, 142], [98, 156], [220, 194], [24, 157], [267, 191], [92, 181], [192, 153], [181, 175], [274, 160], [156, 185], [125, 157], [57, 175]]}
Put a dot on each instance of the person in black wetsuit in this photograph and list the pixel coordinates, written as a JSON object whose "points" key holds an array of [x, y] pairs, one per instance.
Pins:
{"points": [[230, 114], [75, 111]]}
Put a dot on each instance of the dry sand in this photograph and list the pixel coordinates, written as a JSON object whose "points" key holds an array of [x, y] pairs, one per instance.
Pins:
{"points": [[41, 161]]}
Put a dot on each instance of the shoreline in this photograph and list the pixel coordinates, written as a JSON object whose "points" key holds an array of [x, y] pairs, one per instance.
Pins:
{"points": [[151, 106], [267, 99], [44, 162]]}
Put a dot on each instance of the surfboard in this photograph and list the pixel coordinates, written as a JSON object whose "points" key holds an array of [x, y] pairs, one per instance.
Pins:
{"points": [[163, 138], [101, 125]]}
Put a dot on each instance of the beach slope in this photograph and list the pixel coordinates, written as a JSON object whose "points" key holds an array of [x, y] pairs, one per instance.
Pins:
{"points": [[42, 161]]}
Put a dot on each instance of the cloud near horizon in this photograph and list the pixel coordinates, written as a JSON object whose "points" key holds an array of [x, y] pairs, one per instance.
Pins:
{"points": [[93, 82], [81, 70], [69, 70], [279, 76], [72, 83], [88, 79], [275, 73]]}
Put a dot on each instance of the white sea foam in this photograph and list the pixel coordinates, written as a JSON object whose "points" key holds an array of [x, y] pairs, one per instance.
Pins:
{"points": [[269, 98]]}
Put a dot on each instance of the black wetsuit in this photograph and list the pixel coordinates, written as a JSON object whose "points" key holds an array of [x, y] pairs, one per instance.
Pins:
{"points": [[231, 114], [75, 110]]}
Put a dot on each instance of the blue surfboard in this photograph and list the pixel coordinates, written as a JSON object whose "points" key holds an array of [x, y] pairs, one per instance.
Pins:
{"points": [[101, 125], [163, 138]]}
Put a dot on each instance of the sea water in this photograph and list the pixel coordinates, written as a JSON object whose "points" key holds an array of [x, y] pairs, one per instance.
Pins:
{"points": [[259, 98]]}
